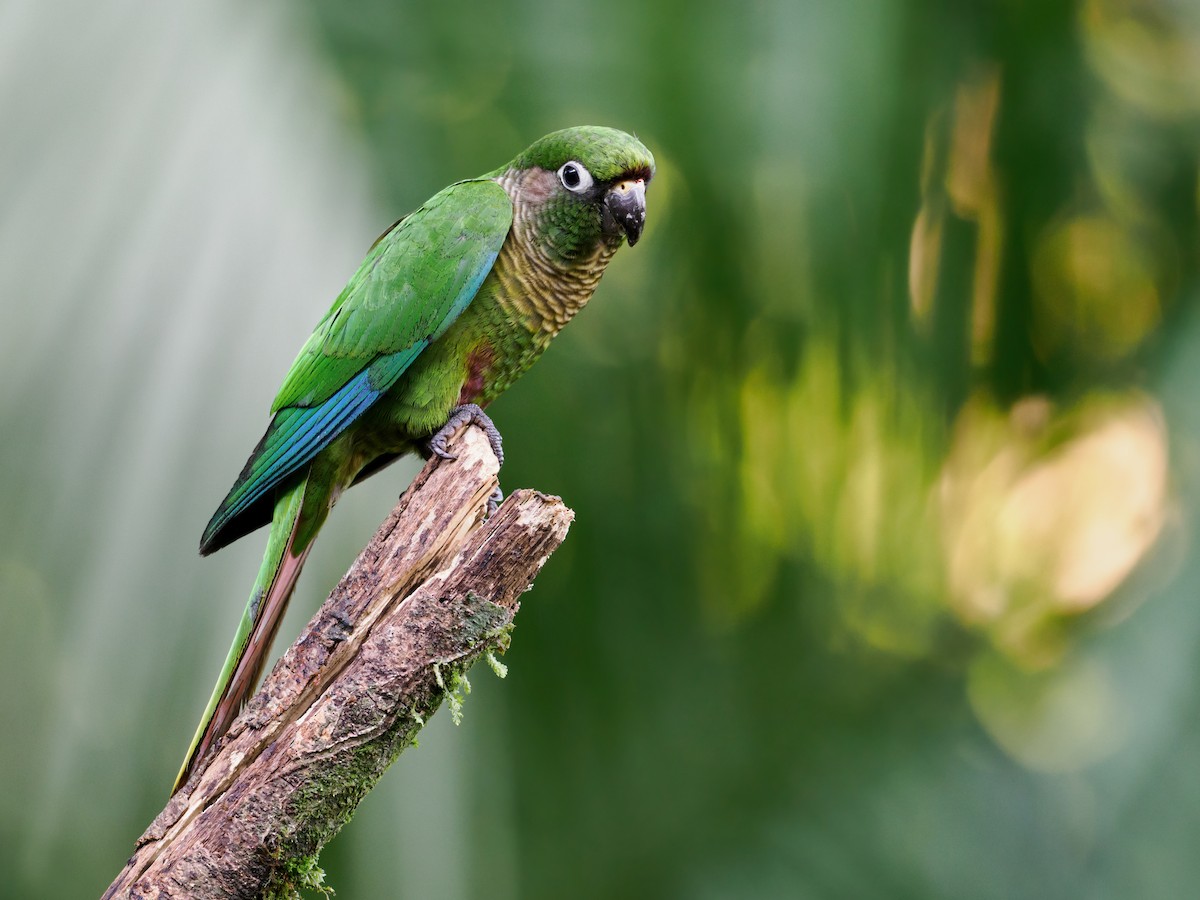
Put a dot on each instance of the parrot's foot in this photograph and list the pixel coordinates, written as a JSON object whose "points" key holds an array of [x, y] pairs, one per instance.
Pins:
{"points": [[466, 414], [495, 498]]}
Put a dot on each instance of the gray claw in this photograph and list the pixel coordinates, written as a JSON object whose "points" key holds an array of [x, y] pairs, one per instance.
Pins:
{"points": [[459, 416], [495, 498]]}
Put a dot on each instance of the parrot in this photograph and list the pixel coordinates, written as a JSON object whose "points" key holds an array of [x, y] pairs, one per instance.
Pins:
{"points": [[450, 306]]}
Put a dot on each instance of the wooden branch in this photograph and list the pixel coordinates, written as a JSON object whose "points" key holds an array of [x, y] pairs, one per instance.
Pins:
{"points": [[435, 589]]}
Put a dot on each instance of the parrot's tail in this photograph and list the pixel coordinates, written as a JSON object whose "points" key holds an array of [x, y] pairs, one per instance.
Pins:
{"points": [[251, 645]]}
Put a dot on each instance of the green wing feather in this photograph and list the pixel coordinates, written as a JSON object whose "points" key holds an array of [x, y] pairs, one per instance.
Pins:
{"points": [[413, 284]]}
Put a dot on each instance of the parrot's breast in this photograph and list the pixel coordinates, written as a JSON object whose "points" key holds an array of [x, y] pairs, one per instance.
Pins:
{"points": [[541, 291]]}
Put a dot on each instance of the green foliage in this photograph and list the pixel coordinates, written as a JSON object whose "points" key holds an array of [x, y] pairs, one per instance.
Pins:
{"points": [[454, 691], [496, 666], [297, 876]]}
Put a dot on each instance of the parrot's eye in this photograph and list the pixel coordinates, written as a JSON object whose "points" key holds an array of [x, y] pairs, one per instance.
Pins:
{"points": [[575, 177]]}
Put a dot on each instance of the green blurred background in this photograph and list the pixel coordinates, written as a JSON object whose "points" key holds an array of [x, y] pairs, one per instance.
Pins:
{"points": [[884, 444]]}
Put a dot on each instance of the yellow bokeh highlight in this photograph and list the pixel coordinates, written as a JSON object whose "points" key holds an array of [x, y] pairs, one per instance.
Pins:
{"points": [[1143, 55], [1096, 289], [958, 179], [1045, 514], [1032, 517]]}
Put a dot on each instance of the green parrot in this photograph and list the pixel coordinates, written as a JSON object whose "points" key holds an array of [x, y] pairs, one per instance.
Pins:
{"points": [[450, 306]]}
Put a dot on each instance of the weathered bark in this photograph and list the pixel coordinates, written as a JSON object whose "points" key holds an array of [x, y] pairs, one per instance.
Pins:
{"points": [[434, 590]]}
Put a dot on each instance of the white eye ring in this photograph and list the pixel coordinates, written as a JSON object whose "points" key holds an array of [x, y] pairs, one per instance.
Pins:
{"points": [[575, 177]]}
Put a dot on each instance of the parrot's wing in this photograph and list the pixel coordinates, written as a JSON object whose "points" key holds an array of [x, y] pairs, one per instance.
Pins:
{"points": [[413, 284]]}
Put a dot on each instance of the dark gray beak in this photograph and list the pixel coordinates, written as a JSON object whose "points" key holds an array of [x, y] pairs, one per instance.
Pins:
{"points": [[626, 203]]}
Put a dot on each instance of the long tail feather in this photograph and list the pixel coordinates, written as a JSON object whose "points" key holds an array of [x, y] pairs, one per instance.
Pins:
{"points": [[251, 645]]}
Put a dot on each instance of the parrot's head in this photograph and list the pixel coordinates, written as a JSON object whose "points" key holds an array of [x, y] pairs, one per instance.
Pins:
{"points": [[585, 188]]}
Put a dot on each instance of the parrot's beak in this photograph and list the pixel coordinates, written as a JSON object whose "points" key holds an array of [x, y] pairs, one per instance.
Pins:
{"points": [[625, 203]]}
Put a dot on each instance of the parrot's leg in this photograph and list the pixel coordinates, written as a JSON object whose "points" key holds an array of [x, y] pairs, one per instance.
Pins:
{"points": [[273, 588], [463, 415]]}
